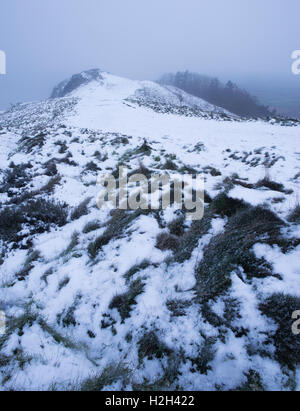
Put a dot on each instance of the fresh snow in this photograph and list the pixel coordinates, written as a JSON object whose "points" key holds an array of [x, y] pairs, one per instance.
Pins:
{"points": [[95, 117]]}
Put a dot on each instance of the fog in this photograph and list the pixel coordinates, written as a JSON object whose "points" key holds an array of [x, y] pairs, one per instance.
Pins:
{"points": [[48, 40]]}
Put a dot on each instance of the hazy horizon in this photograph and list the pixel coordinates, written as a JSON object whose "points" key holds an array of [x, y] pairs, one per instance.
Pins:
{"points": [[245, 42]]}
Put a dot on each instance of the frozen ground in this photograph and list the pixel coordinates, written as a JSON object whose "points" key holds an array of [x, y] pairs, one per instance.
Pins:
{"points": [[102, 300]]}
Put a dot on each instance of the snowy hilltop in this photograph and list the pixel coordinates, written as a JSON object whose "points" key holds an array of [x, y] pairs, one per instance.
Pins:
{"points": [[98, 299]]}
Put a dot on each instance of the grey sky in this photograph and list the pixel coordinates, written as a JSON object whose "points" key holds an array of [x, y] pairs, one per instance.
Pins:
{"points": [[48, 40]]}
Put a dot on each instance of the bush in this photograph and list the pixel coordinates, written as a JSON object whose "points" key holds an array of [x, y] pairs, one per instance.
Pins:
{"points": [[15, 177], [11, 220], [47, 212], [280, 308], [28, 143], [39, 214]]}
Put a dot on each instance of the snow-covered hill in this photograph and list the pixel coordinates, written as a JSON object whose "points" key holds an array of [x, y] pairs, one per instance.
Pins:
{"points": [[99, 299]]}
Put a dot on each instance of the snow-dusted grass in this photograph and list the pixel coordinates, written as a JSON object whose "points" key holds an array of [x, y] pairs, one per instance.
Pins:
{"points": [[146, 299]]}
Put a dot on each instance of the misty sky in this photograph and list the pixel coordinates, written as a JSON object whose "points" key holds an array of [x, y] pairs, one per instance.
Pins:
{"points": [[48, 40]]}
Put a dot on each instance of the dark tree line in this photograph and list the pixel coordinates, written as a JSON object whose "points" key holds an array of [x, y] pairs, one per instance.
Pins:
{"points": [[228, 96]]}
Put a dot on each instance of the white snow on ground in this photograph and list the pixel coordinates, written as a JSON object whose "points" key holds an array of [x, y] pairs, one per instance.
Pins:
{"points": [[70, 330], [287, 265], [8, 143]]}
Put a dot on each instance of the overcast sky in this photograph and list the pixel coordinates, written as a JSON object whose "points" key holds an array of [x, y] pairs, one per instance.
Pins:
{"points": [[48, 40]]}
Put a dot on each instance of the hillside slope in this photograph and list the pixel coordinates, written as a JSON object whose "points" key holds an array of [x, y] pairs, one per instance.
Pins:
{"points": [[99, 299]]}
